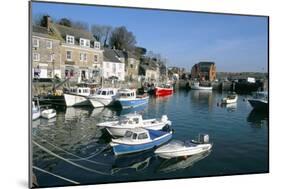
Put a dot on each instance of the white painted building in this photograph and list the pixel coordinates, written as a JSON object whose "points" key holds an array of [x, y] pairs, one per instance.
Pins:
{"points": [[111, 66]]}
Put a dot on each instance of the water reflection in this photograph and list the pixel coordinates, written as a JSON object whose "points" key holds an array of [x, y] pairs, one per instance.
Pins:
{"points": [[202, 98], [230, 107], [136, 163], [176, 164], [258, 118]]}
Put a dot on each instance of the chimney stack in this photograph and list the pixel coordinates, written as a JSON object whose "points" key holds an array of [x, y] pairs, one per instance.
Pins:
{"points": [[47, 22]]}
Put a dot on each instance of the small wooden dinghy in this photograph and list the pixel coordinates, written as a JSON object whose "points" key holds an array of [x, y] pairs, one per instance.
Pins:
{"points": [[188, 148], [48, 113], [231, 98]]}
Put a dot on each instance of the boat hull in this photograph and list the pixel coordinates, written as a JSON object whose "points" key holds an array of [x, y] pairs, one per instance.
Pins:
{"points": [[121, 149], [76, 100], [100, 102], [131, 103], [229, 101], [259, 104], [121, 130], [35, 115], [201, 88], [48, 114], [163, 91], [184, 151]]}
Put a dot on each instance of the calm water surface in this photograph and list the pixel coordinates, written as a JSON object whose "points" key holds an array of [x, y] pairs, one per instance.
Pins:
{"points": [[71, 146]]}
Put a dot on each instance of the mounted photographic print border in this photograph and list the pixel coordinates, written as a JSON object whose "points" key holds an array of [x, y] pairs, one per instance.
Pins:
{"points": [[192, 81]]}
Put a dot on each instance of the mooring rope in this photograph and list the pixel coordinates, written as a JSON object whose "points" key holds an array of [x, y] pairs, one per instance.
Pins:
{"points": [[78, 157], [63, 178], [68, 161]]}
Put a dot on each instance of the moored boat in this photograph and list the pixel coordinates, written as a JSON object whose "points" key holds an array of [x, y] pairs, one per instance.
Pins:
{"points": [[77, 96], [229, 99], [197, 86], [49, 113], [139, 139], [130, 121], [176, 164], [188, 148], [35, 110], [163, 90], [129, 99], [103, 97], [259, 100]]}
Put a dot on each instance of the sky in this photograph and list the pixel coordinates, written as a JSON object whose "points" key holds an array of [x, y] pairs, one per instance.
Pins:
{"points": [[235, 43]]}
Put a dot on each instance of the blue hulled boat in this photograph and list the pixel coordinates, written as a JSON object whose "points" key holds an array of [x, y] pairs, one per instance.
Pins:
{"points": [[129, 99], [259, 101], [139, 139]]}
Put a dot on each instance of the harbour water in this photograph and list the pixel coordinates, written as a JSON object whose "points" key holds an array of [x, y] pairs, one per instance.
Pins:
{"points": [[72, 147]]}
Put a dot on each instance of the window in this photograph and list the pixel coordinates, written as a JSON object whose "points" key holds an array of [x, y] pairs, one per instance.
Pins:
{"points": [[134, 136], [103, 93], [119, 74], [49, 44], [83, 57], [70, 39], [68, 55], [142, 136], [107, 65], [36, 57], [84, 42], [50, 58], [95, 58], [97, 45], [114, 68], [128, 134], [35, 42]]}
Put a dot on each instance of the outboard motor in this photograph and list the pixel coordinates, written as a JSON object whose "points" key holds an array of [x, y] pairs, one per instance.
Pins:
{"points": [[203, 138], [164, 118]]}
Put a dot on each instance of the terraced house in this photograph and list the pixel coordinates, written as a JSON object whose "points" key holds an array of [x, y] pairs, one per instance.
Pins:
{"points": [[45, 53], [79, 56]]}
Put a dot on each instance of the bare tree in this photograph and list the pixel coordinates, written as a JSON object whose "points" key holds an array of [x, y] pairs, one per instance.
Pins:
{"points": [[101, 33], [80, 25], [122, 39]]}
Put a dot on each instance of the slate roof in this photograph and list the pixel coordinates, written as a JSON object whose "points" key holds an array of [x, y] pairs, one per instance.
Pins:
{"points": [[123, 54], [40, 31], [205, 66], [77, 33], [110, 56]]}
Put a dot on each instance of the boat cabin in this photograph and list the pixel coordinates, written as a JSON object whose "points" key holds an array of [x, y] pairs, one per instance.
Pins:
{"points": [[127, 93], [131, 119], [84, 91], [106, 92], [137, 134], [260, 95]]}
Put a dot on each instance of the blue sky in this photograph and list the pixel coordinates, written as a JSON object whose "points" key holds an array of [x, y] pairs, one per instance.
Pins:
{"points": [[234, 43]]}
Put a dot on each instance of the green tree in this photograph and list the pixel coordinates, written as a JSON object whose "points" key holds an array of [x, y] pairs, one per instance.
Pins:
{"points": [[65, 22]]}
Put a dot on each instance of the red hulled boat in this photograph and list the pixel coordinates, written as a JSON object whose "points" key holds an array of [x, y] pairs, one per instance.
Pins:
{"points": [[163, 90]]}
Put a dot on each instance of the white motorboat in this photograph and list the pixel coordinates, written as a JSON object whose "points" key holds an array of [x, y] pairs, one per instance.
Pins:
{"points": [[77, 96], [103, 97], [49, 113], [230, 99], [35, 110], [259, 100], [197, 86], [130, 121], [188, 148]]}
